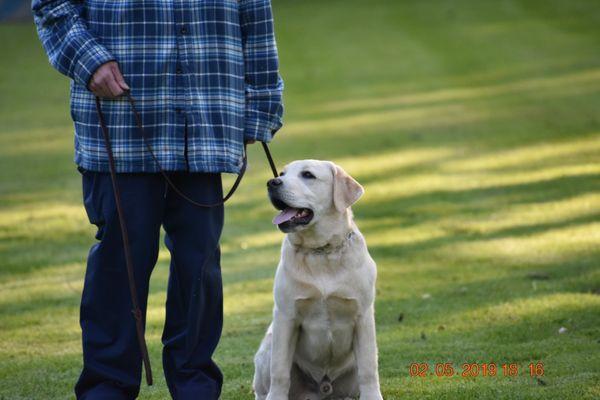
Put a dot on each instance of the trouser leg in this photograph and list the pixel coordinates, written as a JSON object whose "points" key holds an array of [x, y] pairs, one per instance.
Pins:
{"points": [[194, 315], [111, 353]]}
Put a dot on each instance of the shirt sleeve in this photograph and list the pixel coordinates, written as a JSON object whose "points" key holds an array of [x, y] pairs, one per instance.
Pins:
{"points": [[70, 46], [264, 86]]}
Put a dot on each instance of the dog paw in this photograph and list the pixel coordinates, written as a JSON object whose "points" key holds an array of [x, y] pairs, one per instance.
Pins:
{"points": [[371, 396], [274, 396]]}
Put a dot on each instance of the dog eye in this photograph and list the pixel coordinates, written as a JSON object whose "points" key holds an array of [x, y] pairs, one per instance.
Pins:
{"points": [[308, 175], [281, 173]]}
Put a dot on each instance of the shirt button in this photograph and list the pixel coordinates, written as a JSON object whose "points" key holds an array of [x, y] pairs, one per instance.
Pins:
{"points": [[183, 30], [179, 110], [179, 70]]}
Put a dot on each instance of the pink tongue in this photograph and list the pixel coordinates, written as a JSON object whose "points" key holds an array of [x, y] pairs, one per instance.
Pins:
{"points": [[285, 215]]}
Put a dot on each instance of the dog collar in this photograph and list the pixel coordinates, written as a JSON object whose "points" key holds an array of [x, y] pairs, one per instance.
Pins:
{"points": [[329, 248]]}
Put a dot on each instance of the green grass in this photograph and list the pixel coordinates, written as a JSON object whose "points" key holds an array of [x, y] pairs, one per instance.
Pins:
{"points": [[475, 128]]}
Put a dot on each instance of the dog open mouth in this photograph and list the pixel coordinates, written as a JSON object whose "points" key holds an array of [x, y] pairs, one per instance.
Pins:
{"points": [[290, 216]]}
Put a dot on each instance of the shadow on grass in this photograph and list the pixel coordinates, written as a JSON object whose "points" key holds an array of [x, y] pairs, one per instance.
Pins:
{"points": [[487, 199], [64, 249]]}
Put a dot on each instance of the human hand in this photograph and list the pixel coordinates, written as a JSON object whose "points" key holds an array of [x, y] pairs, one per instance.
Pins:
{"points": [[108, 81]]}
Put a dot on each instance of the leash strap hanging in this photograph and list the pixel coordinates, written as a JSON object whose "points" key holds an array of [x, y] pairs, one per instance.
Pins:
{"points": [[137, 313]]}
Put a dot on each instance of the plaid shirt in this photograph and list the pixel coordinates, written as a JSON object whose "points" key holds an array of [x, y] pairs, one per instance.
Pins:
{"points": [[204, 74]]}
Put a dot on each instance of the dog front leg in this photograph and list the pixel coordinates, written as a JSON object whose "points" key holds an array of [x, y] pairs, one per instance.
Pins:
{"points": [[285, 336], [365, 350]]}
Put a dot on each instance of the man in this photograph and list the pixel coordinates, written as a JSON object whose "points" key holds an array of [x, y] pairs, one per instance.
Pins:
{"points": [[205, 78]]}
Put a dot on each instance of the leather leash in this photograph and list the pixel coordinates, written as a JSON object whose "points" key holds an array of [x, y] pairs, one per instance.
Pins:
{"points": [[136, 311]]}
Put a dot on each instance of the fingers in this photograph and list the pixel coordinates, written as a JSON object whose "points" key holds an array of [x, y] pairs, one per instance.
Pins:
{"points": [[119, 77], [108, 81], [113, 87], [97, 88], [98, 83]]}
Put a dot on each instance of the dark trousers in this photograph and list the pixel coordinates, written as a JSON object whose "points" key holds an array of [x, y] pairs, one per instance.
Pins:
{"points": [[194, 309]]}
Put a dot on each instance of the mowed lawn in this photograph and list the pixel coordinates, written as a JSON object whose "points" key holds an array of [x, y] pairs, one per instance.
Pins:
{"points": [[475, 129]]}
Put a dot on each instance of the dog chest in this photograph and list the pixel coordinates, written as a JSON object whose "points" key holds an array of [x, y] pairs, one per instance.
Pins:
{"points": [[326, 327]]}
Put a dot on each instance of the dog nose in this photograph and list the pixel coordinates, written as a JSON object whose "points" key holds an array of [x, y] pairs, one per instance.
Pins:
{"points": [[272, 183]]}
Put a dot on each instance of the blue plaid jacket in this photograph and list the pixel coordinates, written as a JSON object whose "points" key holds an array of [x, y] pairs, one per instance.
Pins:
{"points": [[204, 74]]}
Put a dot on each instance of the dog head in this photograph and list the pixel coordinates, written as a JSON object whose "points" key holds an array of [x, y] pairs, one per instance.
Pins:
{"points": [[309, 191]]}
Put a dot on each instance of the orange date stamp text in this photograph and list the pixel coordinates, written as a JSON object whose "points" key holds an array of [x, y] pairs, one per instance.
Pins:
{"points": [[472, 370]]}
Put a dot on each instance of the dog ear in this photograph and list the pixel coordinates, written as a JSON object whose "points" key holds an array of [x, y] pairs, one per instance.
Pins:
{"points": [[346, 191]]}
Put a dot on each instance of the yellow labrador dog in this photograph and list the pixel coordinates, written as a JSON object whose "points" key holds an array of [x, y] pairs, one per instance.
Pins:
{"points": [[321, 343]]}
